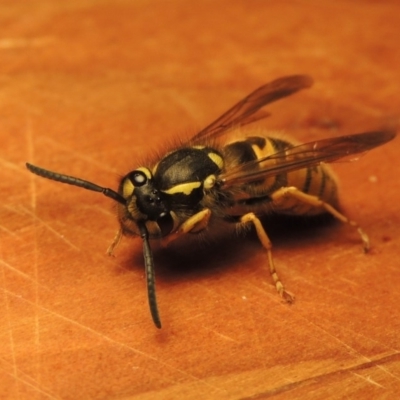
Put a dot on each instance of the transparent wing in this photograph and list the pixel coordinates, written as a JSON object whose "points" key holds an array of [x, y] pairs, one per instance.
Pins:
{"points": [[247, 110], [305, 155]]}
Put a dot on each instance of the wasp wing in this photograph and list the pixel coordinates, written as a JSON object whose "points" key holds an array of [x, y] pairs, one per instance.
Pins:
{"points": [[304, 156], [245, 111]]}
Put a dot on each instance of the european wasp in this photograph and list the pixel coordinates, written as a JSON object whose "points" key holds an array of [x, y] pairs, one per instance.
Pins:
{"points": [[233, 180]]}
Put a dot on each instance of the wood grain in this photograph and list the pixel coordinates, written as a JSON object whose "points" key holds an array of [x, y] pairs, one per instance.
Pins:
{"points": [[92, 88]]}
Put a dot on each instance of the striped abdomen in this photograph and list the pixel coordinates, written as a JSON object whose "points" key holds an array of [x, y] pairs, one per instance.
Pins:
{"points": [[256, 196]]}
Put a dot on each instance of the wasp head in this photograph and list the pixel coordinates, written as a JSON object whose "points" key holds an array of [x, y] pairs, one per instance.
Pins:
{"points": [[145, 203]]}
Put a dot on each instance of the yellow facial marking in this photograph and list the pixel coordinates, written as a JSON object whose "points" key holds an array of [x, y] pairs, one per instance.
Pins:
{"points": [[216, 159], [127, 189], [184, 188]]}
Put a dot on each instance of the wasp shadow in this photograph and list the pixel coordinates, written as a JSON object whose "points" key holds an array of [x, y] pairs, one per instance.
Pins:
{"points": [[200, 255]]}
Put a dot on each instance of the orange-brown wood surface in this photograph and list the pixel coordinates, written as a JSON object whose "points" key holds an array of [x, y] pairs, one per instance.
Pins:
{"points": [[90, 88]]}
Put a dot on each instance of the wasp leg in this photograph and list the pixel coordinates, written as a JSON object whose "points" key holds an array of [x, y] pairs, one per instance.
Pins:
{"points": [[264, 239], [115, 243], [194, 224], [314, 201]]}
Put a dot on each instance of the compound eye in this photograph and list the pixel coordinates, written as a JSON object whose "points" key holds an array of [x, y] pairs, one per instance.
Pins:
{"points": [[138, 178]]}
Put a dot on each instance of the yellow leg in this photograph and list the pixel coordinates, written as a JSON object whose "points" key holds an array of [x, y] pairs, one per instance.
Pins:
{"points": [[115, 243], [264, 239], [194, 224], [314, 201]]}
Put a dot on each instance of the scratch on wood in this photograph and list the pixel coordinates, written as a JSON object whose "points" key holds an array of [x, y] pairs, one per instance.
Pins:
{"points": [[351, 282], [18, 272], [115, 342], [11, 233], [10, 332], [77, 154], [183, 101], [12, 166], [369, 380], [16, 43], [26, 382], [388, 372], [37, 319], [224, 336], [375, 362], [47, 226]]}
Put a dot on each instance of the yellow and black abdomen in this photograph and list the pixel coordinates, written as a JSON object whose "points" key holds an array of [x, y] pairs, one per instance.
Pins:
{"points": [[256, 196]]}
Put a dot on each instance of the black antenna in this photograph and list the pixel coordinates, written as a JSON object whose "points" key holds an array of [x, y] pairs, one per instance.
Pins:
{"points": [[150, 275], [71, 180], [147, 254]]}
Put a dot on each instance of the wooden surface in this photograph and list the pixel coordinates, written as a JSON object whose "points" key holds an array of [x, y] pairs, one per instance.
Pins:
{"points": [[89, 88]]}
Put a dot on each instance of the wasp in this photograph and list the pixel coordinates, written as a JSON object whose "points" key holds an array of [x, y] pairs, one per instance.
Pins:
{"points": [[235, 180]]}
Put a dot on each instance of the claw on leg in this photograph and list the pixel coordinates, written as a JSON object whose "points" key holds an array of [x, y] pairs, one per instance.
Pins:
{"points": [[265, 241]]}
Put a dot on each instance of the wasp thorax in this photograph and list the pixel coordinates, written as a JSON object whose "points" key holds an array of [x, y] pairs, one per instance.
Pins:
{"points": [[184, 174]]}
